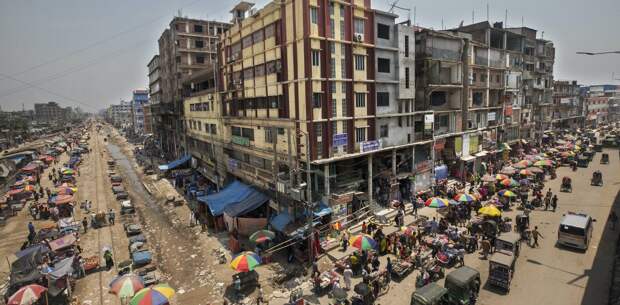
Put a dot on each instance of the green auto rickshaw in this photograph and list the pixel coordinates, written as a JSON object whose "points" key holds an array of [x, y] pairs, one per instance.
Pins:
{"points": [[461, 288], [431, 294]]}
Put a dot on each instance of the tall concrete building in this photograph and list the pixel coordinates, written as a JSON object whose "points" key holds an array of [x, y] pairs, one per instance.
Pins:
{"points": [[568, 105], [49, 112], [120, 115], [186, 47], [322, 85], [139, 99], [151, 119]]}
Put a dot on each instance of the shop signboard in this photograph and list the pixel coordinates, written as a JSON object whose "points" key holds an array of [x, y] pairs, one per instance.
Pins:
{"points": [[340, 139], [429, 119], [370, 146]]}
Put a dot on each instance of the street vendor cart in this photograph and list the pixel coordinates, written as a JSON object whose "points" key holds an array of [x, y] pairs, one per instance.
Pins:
{"points": [[501, 269]]}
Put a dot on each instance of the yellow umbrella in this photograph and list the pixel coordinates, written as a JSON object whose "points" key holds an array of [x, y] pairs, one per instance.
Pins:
{"points": [[490, 210]]}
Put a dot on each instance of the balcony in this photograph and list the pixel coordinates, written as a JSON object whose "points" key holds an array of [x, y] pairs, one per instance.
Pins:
{"points": [[243, 141]]}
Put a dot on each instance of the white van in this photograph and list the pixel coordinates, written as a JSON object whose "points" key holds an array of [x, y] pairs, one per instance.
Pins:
{"points": [[575, 230]]}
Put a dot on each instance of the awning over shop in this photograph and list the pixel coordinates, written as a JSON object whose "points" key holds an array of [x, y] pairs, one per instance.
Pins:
{"points": [[280, 221], [482, 153], [441, 172], [468, 158], [176, 163], [322, 210], [235, 199]]}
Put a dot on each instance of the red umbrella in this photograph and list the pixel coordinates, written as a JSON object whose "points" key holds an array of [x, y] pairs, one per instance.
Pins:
{"points": [[27, 295]]}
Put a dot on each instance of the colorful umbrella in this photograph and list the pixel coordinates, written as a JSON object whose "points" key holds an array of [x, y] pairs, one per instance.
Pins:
{"points": [[464, 198], [363, 242], [501, 177], [519, 165], [488, 178], [509, 183], [453, 202], [156, 295], [507, 193], [262, 236], [535, 170], [62, 199], [126, 285], [245, 261], [508, 170], [526, 162], [436, 202], [407, 230], [68, 171], [28, 188], [27, 295], [490, 210], [543, 163], [526, 172]]}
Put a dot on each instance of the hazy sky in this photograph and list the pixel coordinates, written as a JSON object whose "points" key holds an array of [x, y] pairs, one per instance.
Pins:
{"points": [[94, 53]]}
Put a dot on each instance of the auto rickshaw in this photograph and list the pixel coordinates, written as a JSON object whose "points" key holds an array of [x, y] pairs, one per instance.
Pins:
{"points": [[463, 286], [431, 294], [508, 242], [583, 161], [522, 226], [567, 185], [605, 158], [597, 178], [598, 147], [588, 154], [501, 269]]}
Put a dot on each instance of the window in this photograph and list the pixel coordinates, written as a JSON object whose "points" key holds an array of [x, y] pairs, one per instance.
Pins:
{"points": [[332, 27], [334, 127], [248, 133], [383, 65], [270, 30], [316, 100], [477, 98], [343, 110], [247, 41], [258, 36], [268, 135], [318, 129], [483, 77], [406, 45], [360, 99], [360, 61], [332, 67], [383, 131], [280, 131], [360, 134], [334, 108], [383, 31], [177, 59], [314, 15], [358, 26], [407, 77], [197, 28], [315, 57], [497, 78], [259, 70], [199, 44], [200, 59], [383, 99]]}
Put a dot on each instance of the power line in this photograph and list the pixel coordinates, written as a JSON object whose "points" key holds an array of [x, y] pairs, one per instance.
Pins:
{"points": [[74, 69], [48, 91], [96, 43]]}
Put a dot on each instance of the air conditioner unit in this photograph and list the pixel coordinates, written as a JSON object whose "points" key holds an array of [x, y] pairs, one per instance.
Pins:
{"points": [[357, 38]]}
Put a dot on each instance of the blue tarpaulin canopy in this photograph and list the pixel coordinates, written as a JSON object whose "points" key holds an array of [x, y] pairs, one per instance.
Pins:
{"points": [[176, 163], [441, 172], [322, 209], [234, 200], [280, 221]]}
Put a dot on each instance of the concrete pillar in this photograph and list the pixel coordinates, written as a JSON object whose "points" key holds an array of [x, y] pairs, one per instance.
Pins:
{"points": [[326, 174], [370, 199], [394, 162]]}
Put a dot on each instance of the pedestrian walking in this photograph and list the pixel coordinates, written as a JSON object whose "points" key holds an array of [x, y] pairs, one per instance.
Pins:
{"points": [[111, 216], [389, 268], [554, 202], [109, 262], [348, 274], [31, 230], [613, 218], [485, 245], [259, 298], [85, 224], [535, 235], [547, 201]]}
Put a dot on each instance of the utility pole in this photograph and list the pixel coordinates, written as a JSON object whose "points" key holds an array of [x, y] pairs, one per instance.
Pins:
{"points": [[309, 200]]}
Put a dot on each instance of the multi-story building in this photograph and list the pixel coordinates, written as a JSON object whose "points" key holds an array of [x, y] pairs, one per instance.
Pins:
{"points": [[151, 118], [567, 105], [120, 115], [204, 125], [148, 119], [600, 100], [322, 85], [186, 47], [139, 100], [49, 112]]}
